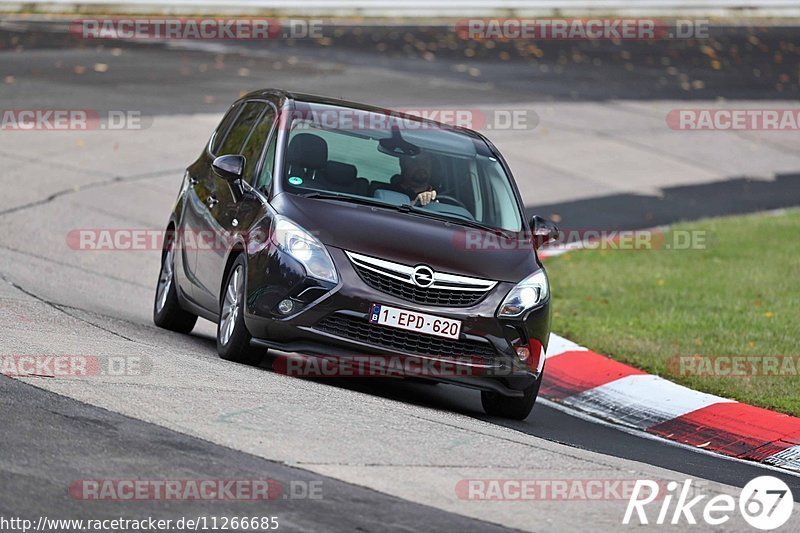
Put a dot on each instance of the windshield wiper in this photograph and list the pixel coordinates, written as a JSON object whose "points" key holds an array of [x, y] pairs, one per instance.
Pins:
{"points": [[408, 208], [321, 195]]}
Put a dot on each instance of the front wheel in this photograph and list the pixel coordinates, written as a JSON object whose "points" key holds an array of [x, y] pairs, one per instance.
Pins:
{"points": [[514, 408], [233, 339]]}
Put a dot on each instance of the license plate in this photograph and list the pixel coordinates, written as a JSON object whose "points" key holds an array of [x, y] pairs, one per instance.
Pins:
{"points": [[413, 321]]}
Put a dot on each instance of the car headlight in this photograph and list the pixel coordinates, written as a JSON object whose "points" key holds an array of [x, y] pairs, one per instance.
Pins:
{"points": [[526, 295], [304, 247]]}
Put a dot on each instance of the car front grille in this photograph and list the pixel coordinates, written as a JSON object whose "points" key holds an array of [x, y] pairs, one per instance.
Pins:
{"points": [[398, 280], [359, 329]]}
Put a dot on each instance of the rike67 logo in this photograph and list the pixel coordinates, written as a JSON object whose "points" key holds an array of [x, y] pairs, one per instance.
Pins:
{"points": [[766, 503]]}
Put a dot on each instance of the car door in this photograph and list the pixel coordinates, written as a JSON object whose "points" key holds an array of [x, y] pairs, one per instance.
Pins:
{"points": [[194, 201], [217, 206], [254, 212]]}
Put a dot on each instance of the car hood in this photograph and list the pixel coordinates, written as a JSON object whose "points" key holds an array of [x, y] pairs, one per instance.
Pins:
{"points": [[408, 239]]}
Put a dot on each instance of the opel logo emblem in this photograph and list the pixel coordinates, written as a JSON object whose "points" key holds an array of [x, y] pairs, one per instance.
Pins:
{"points": [[423, 276]]}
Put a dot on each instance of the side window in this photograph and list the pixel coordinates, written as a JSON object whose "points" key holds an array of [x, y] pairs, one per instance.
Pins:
{"points": [[223, 127], [238, 133], [265, 179], [256, 143]]}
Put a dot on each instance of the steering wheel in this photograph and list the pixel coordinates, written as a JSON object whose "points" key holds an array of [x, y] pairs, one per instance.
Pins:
{"points": [[450, 200]]}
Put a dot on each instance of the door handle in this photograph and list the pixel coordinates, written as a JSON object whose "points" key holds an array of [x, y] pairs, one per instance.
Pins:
{"points": [[211, 201]]}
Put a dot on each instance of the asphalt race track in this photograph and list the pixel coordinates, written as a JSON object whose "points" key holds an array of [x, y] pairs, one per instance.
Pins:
{"points": [[388, 454]]}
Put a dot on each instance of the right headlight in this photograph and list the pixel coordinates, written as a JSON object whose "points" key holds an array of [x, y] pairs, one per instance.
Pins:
{"points": [[526, 295], [304, 247]]}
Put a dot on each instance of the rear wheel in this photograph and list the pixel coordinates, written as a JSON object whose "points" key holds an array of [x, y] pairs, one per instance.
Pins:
{"points": [[511, 407], [233, 339], [167, 312]]}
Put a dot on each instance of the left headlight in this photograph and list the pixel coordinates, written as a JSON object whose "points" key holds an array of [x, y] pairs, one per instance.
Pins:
{"points": [[526, 295], [304, 247]]}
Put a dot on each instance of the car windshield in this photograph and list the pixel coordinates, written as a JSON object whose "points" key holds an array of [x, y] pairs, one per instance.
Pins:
{"points": [[364, 156]]}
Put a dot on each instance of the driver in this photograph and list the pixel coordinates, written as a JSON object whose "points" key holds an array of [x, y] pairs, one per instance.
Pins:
{"points": [[415, 178]]}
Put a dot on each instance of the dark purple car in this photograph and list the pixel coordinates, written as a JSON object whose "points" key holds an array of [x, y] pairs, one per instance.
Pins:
{"points": [[339, 230]]}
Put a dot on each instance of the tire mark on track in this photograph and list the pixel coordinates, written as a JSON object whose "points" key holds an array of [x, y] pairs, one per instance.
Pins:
{"points": [[76, 267], [59, 166], [92, 185], [61, 309]]}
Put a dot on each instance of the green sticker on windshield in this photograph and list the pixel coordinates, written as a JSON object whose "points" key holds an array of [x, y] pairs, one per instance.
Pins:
{"points": [[296, 180]]}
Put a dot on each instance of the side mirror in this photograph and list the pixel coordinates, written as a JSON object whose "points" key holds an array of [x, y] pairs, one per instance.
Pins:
{"points": [[544, 231], [229, 167]]}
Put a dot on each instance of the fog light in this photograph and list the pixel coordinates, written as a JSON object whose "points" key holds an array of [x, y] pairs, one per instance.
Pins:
{"points": [[523, 352], [286, 307]]}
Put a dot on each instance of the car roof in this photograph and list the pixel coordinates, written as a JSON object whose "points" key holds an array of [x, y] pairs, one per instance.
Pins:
{"points": [[317, 99]]}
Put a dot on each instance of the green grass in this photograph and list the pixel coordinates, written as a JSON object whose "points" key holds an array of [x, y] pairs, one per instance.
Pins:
{"points": [[738, 296]]}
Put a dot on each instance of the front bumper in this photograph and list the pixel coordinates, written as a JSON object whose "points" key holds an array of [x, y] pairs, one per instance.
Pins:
{"points": [[332, 321]]}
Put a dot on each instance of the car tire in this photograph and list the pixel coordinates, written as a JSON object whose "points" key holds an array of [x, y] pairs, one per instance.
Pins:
{"points": [[233, 339], [514, 408], [167, 311]]}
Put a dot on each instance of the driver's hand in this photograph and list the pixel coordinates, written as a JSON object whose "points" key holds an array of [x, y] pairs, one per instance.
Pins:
{"points": [[424, 198]]}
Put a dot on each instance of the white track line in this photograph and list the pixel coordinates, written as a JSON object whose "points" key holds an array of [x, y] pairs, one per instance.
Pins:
{"points": [[639, 433], [558, 345], [641, 401]]}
